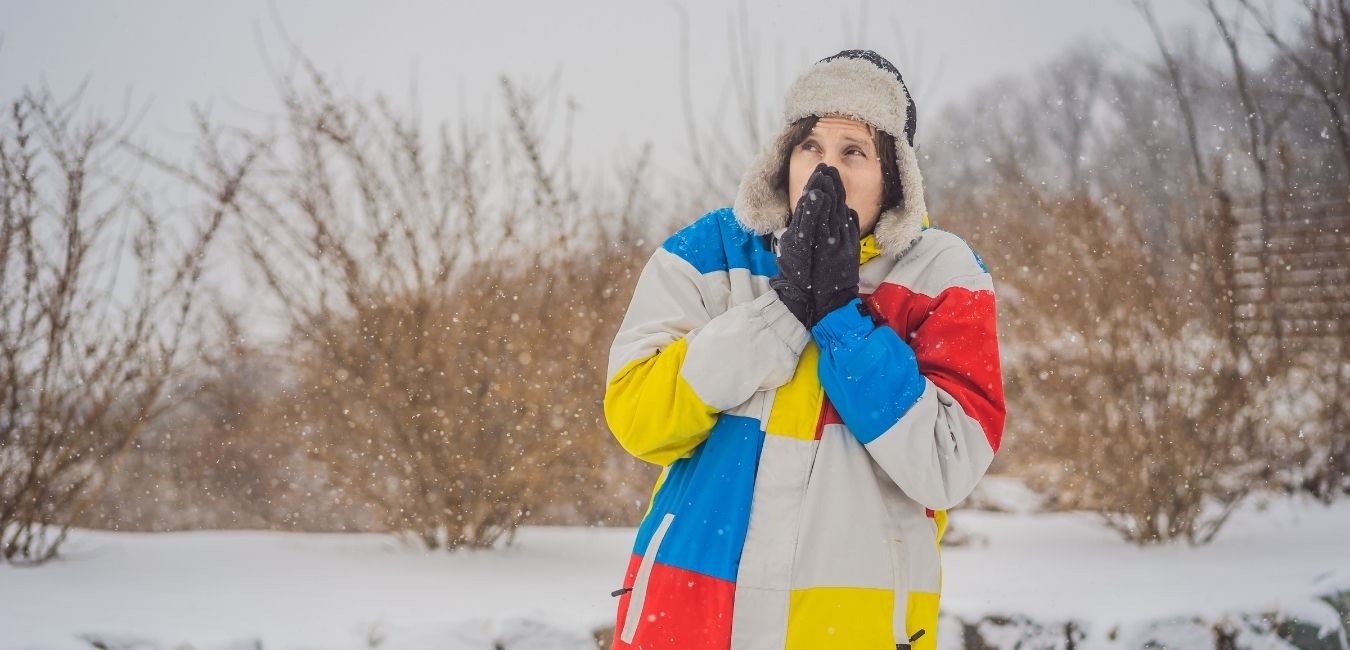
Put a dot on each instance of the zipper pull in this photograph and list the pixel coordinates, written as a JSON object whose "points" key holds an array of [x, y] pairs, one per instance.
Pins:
{"points": [[771, 243], [620, 592], [905, 646]]}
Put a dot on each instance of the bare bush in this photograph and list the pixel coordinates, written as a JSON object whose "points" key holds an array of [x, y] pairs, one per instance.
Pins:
{"points": [[81, 373], [216, 461], [1161, 364], [1136, 402], [447, 301]]}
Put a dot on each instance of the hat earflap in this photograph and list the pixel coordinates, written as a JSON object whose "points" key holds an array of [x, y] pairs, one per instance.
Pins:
{"points": [[760, 205], [898, 227]]}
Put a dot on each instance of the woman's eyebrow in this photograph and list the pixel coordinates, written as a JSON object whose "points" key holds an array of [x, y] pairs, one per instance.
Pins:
{"points": [[848, 137]]}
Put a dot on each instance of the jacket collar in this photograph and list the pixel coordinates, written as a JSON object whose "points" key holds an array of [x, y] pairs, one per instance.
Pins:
{"points": [[867, 249]]}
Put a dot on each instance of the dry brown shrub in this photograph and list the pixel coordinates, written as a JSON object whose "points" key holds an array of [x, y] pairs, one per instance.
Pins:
{"points": [[447, 301]]}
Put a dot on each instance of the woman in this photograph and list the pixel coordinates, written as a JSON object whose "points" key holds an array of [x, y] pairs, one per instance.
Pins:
{"points": [[817, 371]]}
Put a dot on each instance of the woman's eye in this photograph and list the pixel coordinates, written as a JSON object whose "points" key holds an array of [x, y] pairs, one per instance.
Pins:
{"points": [[811, 146]]}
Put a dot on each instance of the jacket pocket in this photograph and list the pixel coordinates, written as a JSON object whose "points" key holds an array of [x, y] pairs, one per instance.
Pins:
{"points": [[900, 583], [637, 598]]}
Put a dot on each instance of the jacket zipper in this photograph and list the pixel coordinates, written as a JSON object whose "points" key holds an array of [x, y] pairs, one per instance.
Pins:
{"points": [[638, 596], [900, 582]]}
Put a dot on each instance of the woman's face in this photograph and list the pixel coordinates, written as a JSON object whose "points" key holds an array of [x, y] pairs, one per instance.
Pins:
{"points": [[848, 146]]}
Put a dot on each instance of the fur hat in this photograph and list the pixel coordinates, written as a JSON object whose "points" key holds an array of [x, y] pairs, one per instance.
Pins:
{"points": [[861, 85]]}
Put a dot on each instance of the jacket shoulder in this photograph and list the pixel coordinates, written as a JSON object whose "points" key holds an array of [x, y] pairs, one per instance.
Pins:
{"points": [[716, 241], [938, 261], [955, 254]]}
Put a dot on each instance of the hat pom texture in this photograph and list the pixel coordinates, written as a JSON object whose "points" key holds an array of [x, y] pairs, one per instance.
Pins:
{"points": [[860, 85]]}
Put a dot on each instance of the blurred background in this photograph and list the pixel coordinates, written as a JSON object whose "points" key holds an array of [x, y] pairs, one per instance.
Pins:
{"points": [[337, 267]]}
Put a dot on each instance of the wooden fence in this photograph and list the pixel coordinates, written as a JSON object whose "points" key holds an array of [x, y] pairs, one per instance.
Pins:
{"points": [[1308, 251]]}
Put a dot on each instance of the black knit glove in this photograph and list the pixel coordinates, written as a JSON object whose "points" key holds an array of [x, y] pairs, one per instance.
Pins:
{"points": [[834, 267], [796, 250]]}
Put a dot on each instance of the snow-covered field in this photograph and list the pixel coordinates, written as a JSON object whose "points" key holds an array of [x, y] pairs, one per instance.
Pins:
{"points": [[250, 589], [1274, 555]]}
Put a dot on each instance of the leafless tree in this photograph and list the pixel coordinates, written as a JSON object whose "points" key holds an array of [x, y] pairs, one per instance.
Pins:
{"points": [[1321, 56], [81, 374], [1146, 373]]}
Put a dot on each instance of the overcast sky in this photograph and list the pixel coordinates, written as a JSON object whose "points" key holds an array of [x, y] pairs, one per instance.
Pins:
{"points": [[619, 59]]}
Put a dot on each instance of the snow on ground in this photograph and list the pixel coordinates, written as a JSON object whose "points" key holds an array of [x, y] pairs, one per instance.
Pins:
{"points": [[1274, 554], [291, 590], [227, 589]]}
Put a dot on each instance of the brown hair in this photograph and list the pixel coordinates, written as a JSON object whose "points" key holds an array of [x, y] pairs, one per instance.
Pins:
{"points": [[892, 193]]}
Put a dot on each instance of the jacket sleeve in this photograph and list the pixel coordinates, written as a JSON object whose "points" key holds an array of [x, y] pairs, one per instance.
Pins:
{"points": [[931, 413], [674, 366]]}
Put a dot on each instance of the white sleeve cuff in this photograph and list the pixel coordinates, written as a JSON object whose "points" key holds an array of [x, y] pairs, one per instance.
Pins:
{"points": [[781, 321]]}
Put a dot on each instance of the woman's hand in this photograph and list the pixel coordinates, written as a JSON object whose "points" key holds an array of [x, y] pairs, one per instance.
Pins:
{"points": [[797, 249], [834, 265], [818, 254]]}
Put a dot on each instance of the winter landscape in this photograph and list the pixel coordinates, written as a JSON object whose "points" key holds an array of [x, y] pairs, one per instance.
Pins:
{"points": [[313, 321]]}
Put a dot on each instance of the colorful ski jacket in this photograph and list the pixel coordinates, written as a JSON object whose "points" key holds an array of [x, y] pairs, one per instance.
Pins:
{"points": [[806, 474]]}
